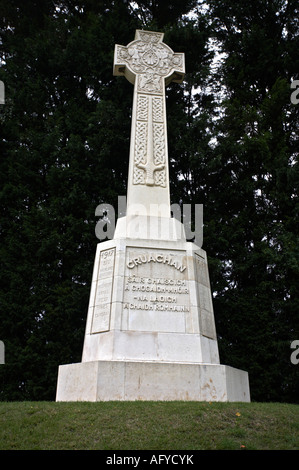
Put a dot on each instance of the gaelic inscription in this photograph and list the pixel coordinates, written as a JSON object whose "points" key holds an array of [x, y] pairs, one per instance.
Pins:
{"points": [[156, 291], [102, 303]]}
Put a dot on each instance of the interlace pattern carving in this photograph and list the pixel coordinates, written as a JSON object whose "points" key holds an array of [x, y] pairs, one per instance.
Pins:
{"points": [[159, 143], [142, 107], [148, 62], [149, 166], [158, 109], [141, 142]]}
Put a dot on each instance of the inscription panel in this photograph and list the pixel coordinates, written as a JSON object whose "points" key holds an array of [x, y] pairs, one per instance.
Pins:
{"points": [[156, 291], [102, 302], [207, 323]]}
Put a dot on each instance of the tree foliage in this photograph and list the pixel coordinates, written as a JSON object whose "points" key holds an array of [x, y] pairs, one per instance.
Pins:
{"points": [[65, 130]]}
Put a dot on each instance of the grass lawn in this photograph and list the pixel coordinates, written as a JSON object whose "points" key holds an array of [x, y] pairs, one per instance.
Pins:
{"points": [[148, 426]]}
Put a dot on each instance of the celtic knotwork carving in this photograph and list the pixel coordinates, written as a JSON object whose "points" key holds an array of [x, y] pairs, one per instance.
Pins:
{"points": [[149, 64], [150, 170], [160, 178], [158, 109], [138, 177], [159, 143], [149, 161], [141, 142], [142, 107]]}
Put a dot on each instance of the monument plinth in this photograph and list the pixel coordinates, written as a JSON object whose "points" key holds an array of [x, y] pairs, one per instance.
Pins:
{"points": [[150, 330]]}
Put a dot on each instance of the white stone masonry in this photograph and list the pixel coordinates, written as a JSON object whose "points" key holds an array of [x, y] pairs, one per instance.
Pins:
{"points": [[150, 329]]}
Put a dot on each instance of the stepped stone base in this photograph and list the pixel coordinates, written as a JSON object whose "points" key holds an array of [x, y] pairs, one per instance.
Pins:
{"points": [[132, 380]]}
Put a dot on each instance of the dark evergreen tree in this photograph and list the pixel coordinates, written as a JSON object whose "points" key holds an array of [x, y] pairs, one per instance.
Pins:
{"points": [[64, 144], [254, 230], [65, 132]]}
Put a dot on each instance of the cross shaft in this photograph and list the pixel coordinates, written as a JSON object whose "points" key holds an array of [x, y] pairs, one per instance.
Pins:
{"points": [[149, 64]]}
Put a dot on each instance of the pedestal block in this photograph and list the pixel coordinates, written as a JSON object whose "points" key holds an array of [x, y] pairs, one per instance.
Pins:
{"points": [[124, 380], [150, 330]]}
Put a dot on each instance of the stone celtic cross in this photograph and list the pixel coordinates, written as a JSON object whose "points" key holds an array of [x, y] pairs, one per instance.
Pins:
{"points": [[149, 64]]}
